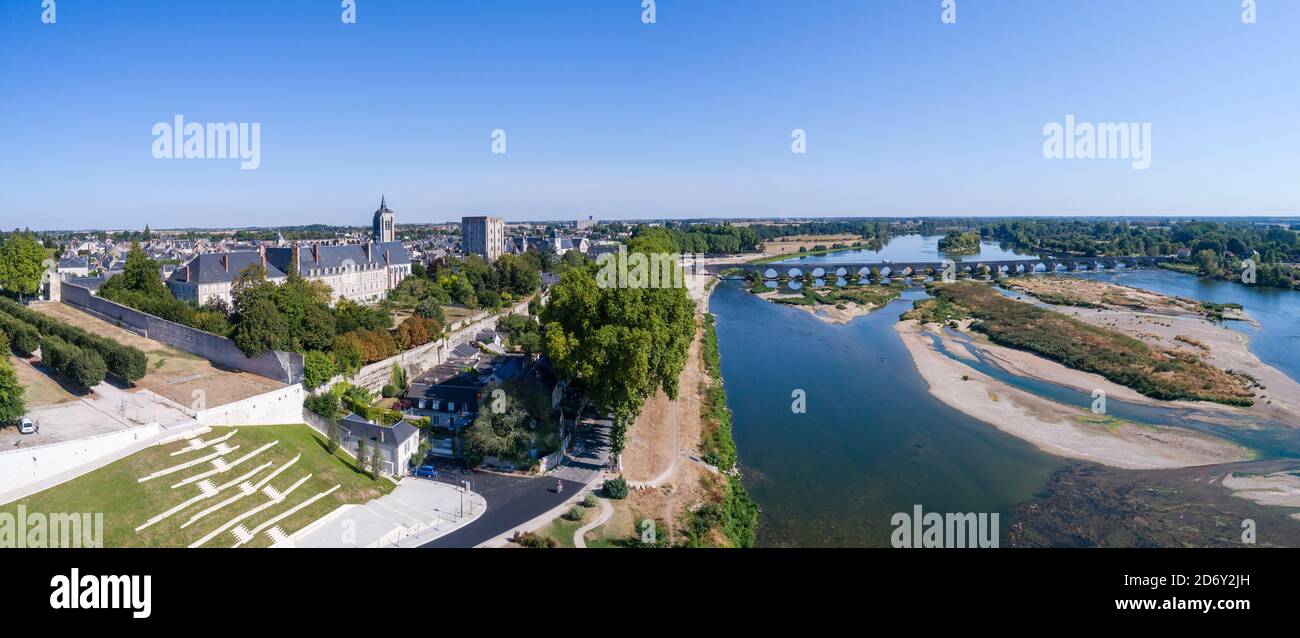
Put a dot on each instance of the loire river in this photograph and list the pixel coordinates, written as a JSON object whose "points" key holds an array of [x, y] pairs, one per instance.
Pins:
{"points": [[873, 441]]}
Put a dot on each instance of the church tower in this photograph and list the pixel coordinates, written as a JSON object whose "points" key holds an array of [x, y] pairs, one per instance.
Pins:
{"points": [[383, 226]]}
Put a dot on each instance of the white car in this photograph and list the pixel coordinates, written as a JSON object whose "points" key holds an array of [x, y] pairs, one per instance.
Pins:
{"points": [[26, 426]]}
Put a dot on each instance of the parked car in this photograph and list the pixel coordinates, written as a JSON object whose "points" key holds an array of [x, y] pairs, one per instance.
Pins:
{"points": [[27, 426], [426, 471]]}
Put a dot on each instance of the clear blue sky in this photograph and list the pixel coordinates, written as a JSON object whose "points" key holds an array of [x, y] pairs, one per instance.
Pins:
{"points": [[610, 117]]}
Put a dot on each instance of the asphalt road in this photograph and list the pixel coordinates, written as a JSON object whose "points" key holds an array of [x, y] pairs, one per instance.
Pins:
{"points": [[512, 500]]}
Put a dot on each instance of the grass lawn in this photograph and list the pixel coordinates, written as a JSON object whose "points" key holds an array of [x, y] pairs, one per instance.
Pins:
{"points": [[38, 389], [457, 313], [126, 503], [562, 529]]}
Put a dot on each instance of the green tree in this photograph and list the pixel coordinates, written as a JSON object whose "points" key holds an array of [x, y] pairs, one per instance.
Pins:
{"points": [[397, 377], [502, 434], [317, 368], [623, 344], [21, 257], [141, 273], [261, 327], [332, 436], [376, 457], [12, 406], [361, 454], [349, 354]]}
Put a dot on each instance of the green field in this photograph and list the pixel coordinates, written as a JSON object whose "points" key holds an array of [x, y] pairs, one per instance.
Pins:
{"points": [[127, 503]]}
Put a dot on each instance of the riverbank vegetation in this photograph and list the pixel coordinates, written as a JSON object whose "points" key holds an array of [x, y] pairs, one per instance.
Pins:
{"points": [[732, 519], [1155, 372], [1206, 248]]}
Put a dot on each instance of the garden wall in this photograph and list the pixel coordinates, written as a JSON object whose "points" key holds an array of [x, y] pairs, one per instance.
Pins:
{"points": [[21, 468], [277, 407], [285, 367]]}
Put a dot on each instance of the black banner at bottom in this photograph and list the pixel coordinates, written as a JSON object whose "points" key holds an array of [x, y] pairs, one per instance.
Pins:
{"points": [[175, 588]]}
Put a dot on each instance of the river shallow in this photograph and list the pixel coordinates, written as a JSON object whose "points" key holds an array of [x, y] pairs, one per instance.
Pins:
{"points": [[875, 442]]}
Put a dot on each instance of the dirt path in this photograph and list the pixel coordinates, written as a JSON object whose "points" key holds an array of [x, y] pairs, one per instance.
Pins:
{"points": [[606, 511]]}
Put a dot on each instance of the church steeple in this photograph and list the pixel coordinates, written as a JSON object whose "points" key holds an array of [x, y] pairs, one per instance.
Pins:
{"points": [[384, 227]]}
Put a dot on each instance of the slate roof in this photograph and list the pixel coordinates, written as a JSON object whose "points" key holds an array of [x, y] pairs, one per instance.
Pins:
{"points": [[392, 436], [330, 256], [209, 268], [462, 389], [74, 262]]}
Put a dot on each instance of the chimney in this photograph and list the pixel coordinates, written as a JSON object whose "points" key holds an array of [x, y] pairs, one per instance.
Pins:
{"points": [[387, 259], [368, 257], [314, 256], [187, 272], [297, 262], [261, 249], [225, 261]]}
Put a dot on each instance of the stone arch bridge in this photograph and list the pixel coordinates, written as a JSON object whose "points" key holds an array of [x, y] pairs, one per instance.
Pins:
{"points": [[935, 268]]}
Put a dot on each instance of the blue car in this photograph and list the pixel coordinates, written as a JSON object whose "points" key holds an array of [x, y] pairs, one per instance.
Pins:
{"points": [[426, 471]]}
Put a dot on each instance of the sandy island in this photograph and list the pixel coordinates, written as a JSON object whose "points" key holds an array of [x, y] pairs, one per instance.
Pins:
{"points": [[1167, 322], [1053, 427], [830, 313]]}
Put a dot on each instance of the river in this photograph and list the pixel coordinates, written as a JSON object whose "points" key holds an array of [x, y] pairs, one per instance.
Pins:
{"points": [[874, 442]]}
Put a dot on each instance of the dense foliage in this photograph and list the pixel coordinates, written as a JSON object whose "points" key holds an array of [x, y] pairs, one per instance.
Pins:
{"points": [[21, 264], [1214, 248], [958, 242], [12, 404], [622, 344], [85, 367]]}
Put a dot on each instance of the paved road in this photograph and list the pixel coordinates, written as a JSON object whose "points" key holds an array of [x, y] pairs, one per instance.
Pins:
{"points": [[513, 501]]}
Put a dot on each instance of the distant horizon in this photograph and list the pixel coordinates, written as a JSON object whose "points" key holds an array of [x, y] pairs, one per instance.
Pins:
{"points": [[722, 220], [560, 110]]}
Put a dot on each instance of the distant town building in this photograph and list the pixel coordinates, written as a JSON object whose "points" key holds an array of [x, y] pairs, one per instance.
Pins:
{"points": [[210, 276], [585, 224], [484, 236], [363, 273], [74, 266]]}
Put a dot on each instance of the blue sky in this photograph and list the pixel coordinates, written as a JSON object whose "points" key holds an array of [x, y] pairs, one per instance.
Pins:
{"points": [[607, 116]]}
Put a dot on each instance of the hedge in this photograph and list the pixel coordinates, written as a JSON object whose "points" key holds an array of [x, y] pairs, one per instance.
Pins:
{"points": [[124, 362], [22, 337], [85, 367]]}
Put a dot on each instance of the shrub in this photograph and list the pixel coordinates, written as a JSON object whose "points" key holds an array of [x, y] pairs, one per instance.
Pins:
{"points": [[575, 513], [324, 404], [318, 369], [616, 488], [84, 367], [125, 362], [23, 338], [388, 391], [531, 539], [590, 501]]}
